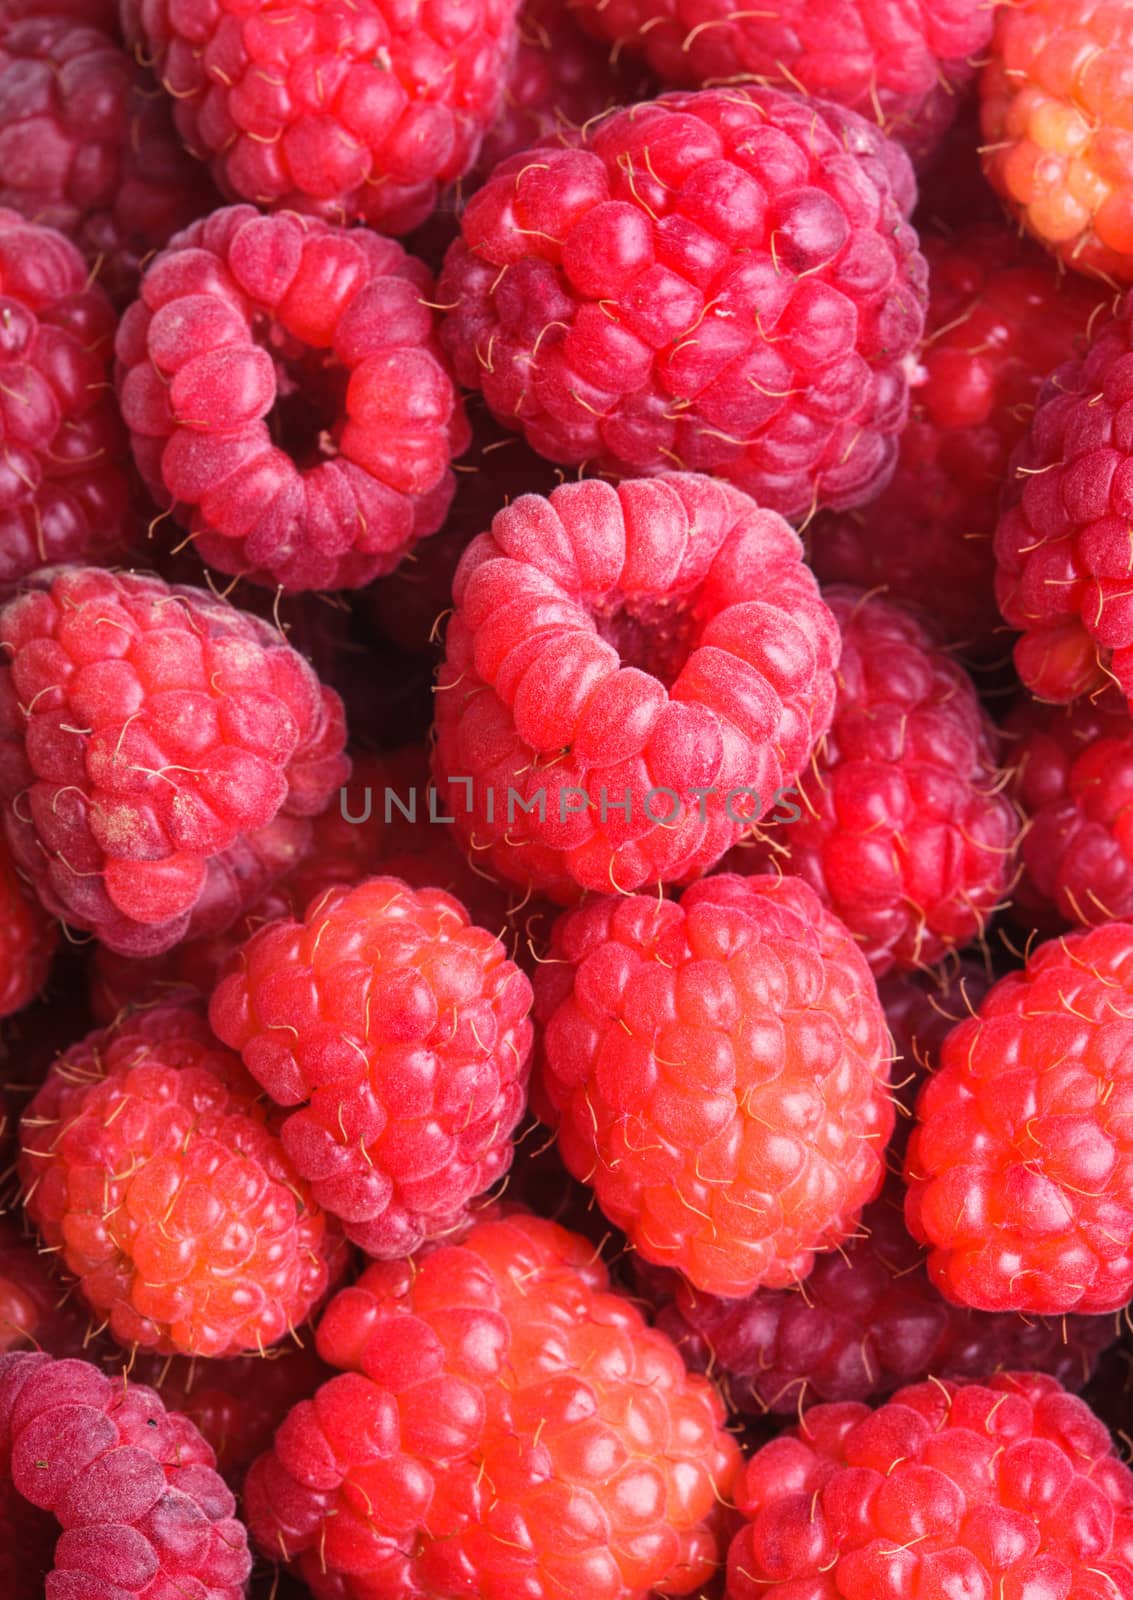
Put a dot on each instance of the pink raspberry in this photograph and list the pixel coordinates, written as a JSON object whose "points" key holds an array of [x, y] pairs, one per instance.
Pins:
{"points": [[399, 1032], [354, 110], [287, 398], [1008, 1487], [1064, 559], [1020, 1167], [900, 827], [718, 1072], [503, 1425], [903, 66], [87, 145], [160, 753], [1000, 317], [128, 1491], [151, 1164], [64, 493], [622, 658], [604, 296]]}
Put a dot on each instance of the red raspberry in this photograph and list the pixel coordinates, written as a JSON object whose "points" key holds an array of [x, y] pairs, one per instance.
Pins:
{"points": [[401, 1033], [621, 658], [504, 1426], [159, 751], [1007, 1488], [901, 827], [901, 65], [248, 324], [36, 1307], [718, 1072], [137, 1504], [921, 1009], [1020, 1168], [355, 110], [603, 296], [92, 13], [28, 937], [1073, 778], [87, 145], [865, 1321], [1064, 558], [150, 1163], [64, 494], [1055, 117], [1000, 317]]}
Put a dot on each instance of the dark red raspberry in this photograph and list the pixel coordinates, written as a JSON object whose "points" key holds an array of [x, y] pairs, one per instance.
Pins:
{"points": [[921, 1009], [1065, 560], [87, 145], [1000, 317], [400, 1032], [1010, 1487], [622, 658], [249, 324], [718, 1072], [92, 13], [151, 1164], [138, 1507], [64, 492], [160, 752], [865, 1321], [504, 1426], [900, 827], [904, 66], [356, 110], [1020, 1167], [28, 938], [720, 281], [37, 1308], [1073, 778]]}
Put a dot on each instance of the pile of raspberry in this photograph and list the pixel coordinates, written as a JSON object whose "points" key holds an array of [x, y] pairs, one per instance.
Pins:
{"points": [[566, 800]]}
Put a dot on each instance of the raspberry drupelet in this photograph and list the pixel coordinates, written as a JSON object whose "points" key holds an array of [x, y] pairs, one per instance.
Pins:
{"points": [[1001, 316], [904, 66], [397, 1035], [504, 1425], [160, 753], [354, 110], [150, 1163], [1010, 1487], [718, 1071], [620, 658], [288, 400], [106, 1495], [902, 827], [1073, 779], [1054, 109], [720, 281], [87, 145], [64, 490], [1020, 1166]]}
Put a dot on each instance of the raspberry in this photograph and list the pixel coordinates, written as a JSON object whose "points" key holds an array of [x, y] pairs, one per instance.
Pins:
{"points": [[28, 937], [1020, 1168], [87, 145], [718, 1072], [354, 110], [130, 1489], [159, 754], [901, 828], [151, 1164], [620, 658], [37, 1308], [1063, 556], [901, 65], [1073, 778], [603, 296], [64, 495], [91, 13], [1054, 111], [921, 1009], [504, 1425], [1000, 317], [1009, 1487], [400, 1031], [249, 323], [865, 1321]]}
